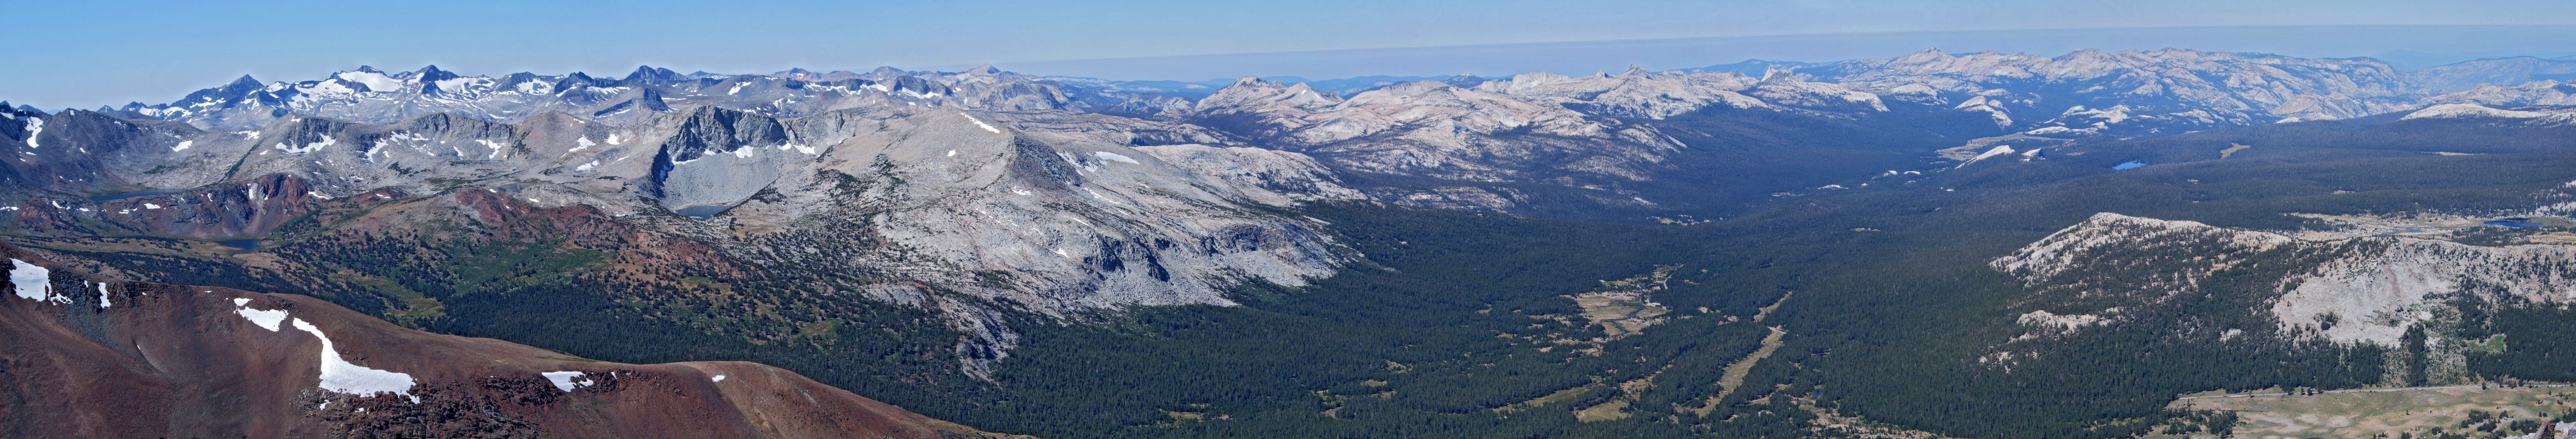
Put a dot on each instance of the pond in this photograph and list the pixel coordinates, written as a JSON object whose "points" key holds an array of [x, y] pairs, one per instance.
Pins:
{"points": [[703, 212], [2514, 222], [2128, 165], [113, 197], [246, 245]]}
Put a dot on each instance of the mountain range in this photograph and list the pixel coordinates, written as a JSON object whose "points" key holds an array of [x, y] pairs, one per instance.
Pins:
{"points": [[990, 247]]}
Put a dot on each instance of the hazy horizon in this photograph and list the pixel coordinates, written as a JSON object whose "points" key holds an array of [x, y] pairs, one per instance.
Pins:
{"points": [[108, 54], [1583, 57]]}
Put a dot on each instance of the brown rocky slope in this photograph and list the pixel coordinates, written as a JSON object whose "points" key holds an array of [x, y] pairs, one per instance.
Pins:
{"points": [[84, 356]]}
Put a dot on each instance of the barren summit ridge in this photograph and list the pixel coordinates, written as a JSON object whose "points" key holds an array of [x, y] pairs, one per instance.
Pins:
{"points": [[136, 359]]}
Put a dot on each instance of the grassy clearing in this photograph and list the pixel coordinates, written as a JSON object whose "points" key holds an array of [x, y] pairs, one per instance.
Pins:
{"points": [[1552, 398], [1616, 409]]}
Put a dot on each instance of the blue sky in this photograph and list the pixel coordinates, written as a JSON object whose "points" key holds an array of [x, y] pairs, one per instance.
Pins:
{"points": [[86, 54]]}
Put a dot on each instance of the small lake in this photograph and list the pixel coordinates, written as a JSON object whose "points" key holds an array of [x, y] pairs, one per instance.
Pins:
{"points": [[2128, 165], [112, 197], [2513, 223], [703, 212], [246, 245]]}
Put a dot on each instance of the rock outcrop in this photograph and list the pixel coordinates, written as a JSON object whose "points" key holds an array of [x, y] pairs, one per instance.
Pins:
{"points": [[2113, 269]]}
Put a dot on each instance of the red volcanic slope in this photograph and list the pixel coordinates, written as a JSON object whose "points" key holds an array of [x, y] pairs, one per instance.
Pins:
{"points": [[82, 356]]}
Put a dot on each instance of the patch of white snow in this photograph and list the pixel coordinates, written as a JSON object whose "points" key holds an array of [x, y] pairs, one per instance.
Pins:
{"points": [[265, 318], [980, 123], [338, 375], [568, 380], [36, 126], [34, 282], [1114, 156], [377, 82]]}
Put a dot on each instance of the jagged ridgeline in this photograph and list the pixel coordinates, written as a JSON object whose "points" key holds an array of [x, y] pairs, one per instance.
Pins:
{"points": [[1912, 246]]}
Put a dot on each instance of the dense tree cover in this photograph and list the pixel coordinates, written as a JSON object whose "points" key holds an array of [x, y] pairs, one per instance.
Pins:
{"points": [[2535, 339]]}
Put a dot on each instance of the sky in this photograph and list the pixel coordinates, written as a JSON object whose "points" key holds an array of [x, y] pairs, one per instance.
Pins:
{"points": [[92, 53]]}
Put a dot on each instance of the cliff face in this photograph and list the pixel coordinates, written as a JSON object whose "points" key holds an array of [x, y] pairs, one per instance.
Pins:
{"points": [[95, 357]]}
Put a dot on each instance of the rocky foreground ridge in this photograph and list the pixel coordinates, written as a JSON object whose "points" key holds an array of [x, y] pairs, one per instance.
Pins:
{"points": [[91, 356]]}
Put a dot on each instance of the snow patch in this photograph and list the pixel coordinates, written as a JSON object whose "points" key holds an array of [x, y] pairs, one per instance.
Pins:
{"points": [[1999, 150], [496, 148], [102, 295], [183, 145], [308, 147], [585, 143], [1114, 156], [265, 318], [586, 167], [980, 123], [34, 282], [2045, 131], [36, 126], [568, 380], [719, 378], [2462, 111], [338, 375], [374, 81]]}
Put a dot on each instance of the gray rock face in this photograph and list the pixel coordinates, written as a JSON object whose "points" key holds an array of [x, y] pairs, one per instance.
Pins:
{"points": [[2167, 90], [2113, 268], [987, 213], [1634, 94], [1434, 129], [2468, 75], [2528, 94], [713, 157], [373, 96]]}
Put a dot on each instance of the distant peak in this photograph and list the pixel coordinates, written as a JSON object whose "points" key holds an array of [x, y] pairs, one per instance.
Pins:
{"points": [[650, 72], [369, 69], [1928, 54], [1634, 70], [432, 73], [986, 69], [1250, 80]]}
